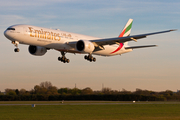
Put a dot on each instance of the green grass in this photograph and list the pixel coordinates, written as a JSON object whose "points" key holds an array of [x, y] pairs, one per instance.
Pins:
{"points": [[170, 111]]}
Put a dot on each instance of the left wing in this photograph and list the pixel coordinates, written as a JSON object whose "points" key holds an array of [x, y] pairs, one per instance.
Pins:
{"points": [[98, 43], [110, 41]]}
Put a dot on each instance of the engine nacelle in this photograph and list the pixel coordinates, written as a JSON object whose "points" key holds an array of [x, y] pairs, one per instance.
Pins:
{"points": [[36, 50], [85, 46]]}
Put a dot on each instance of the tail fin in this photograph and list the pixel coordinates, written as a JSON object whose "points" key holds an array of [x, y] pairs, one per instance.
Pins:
{"points": [[125, 32], [127, 29]]}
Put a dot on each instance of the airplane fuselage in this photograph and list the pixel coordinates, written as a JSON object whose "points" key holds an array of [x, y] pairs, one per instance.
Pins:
{"points": [[42, 39], [55, 39]]}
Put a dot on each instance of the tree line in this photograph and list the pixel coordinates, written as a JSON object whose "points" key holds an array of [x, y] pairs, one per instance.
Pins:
{"points": [[45, 91]]}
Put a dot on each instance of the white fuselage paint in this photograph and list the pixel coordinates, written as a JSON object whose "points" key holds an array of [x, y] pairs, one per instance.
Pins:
{"points": [[56, 39]]}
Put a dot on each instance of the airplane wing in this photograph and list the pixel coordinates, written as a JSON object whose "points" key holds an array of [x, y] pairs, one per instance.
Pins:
{"points": [[98, 43], [110, 41]]}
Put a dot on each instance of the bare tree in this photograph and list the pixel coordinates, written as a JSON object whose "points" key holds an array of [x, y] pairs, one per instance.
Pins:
{"points": [[46, 84], [45, 88]]}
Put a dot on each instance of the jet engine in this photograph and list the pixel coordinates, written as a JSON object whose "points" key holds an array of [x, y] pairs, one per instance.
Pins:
{"points": [[37, 50], [85, 46]]}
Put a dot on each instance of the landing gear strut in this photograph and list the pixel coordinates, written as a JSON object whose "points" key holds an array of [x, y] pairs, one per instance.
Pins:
{"points": [[63, 58], [90, 58], [16, 45]]}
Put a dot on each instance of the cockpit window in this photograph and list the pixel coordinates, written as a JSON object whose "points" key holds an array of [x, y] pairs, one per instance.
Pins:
{"points": [[11, 29]]}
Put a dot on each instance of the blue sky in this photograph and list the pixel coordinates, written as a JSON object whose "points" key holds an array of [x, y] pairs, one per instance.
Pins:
{"points": [[152, 68]]}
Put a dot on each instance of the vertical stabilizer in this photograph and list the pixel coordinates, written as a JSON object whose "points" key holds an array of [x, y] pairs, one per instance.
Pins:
{"points": [[127, 29], [125, 32]]}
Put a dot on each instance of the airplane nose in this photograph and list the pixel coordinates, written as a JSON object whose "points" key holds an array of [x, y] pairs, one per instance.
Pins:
{"points": [[8, 35], [5, 33]]}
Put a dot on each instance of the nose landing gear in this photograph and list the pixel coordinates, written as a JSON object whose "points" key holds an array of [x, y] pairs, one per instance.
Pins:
{"points": [[16, 45]]}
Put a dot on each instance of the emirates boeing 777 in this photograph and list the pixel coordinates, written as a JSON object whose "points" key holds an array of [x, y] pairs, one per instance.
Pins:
{"points": [[42, 39]]}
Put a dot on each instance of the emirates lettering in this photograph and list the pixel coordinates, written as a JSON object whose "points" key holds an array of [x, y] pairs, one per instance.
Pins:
{"points": [[44, 34]]}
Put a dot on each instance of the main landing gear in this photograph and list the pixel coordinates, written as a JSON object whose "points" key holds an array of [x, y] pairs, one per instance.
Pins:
{"points": [[63, 58], [90, 58], [16, 45]]}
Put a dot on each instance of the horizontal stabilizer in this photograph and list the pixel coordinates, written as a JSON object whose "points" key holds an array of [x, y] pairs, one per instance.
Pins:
{"points": [[135, 47]]}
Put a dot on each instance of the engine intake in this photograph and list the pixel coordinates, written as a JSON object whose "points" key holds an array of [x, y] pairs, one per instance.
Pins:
{"points": [[37, 50], [85, 46]]}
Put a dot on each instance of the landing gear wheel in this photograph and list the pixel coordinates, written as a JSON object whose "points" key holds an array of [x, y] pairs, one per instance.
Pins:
{"points": [[86, 57], [59, 58], [90, 58], [94, 59], [16, 50], [67, 60], [63, 58]]}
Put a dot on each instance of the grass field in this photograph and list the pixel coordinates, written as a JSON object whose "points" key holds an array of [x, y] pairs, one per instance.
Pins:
{"points": [[68, 111]]}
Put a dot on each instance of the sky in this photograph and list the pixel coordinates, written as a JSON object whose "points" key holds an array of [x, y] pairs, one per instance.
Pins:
{"points": [[156, 69]]}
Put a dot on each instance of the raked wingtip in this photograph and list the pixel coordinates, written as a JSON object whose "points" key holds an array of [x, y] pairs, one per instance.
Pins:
{"points": [[174, 30]]}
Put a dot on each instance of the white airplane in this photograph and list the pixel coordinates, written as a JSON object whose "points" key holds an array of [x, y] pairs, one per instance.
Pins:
{"points": [[42, 39]]}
